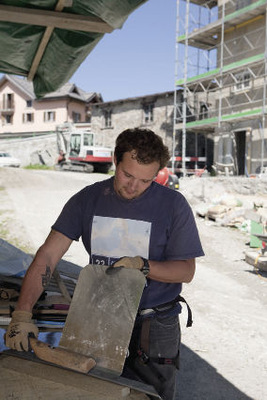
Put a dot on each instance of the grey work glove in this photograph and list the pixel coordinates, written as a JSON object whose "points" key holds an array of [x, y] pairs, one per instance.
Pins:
{"points": [[17, 333], [136, 262]]}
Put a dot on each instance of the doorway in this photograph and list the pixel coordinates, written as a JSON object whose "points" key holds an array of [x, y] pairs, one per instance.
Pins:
{"points": [[240, 152]]}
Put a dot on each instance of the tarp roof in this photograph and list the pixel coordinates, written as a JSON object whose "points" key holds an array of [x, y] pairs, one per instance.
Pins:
{"points": [[47, 40]]}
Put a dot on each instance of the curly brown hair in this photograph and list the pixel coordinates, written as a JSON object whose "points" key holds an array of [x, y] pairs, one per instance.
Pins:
{"points": [[148, 146]]}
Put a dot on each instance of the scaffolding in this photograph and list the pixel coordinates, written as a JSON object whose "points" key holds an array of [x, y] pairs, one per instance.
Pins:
{"points": [[220, 82]]}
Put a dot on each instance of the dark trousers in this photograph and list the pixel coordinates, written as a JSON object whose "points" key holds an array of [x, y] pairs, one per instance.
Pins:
{"points": [[164, 343]]}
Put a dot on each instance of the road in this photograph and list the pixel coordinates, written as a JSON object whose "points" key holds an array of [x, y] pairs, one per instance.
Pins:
{"points": [[224, 354]]}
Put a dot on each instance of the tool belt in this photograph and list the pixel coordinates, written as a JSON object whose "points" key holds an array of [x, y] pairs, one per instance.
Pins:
{"points": [[164, 308], [143, 349]]}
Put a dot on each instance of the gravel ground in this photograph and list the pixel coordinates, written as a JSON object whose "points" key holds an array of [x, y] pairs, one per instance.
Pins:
{"points": [[224, 354]]}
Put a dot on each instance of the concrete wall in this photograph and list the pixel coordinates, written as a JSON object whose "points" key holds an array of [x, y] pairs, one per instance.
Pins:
{"points": [[37, 150]]}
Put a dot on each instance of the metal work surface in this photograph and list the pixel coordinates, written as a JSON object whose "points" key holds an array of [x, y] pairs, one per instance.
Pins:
{"points": [[102, 314]]}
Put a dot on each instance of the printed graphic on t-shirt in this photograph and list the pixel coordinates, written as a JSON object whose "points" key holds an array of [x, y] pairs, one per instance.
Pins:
{"points": [[113, 238]]}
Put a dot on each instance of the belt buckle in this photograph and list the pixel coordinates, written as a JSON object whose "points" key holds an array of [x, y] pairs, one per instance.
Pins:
{"points": [[146, 311]]}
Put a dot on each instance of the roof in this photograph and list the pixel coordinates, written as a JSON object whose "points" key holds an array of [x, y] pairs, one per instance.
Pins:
{"points": [[67, 90], [148, 97], [64, 33]]}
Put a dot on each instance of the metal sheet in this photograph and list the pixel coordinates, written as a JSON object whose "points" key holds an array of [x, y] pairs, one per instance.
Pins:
{"points": [[102, 315]]}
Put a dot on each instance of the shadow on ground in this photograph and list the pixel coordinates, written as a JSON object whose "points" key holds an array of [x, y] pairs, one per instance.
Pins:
{"points": [[198, 380]]}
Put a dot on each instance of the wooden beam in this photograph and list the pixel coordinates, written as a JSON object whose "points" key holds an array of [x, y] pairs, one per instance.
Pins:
{"points": [[39, 53], [42, 46], [54, 19]]}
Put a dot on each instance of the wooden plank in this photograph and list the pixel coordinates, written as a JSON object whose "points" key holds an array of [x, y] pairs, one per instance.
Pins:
{"points": [[27, 380], [103, 376], [55, 19], [39, 53], [61, 357], [44, 42]]}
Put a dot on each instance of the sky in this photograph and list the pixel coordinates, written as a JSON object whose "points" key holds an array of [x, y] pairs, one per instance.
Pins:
{"points": [[136, 60]]}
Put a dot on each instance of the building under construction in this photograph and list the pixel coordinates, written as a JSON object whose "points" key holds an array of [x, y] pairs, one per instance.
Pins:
{"points": [[221, 65]]}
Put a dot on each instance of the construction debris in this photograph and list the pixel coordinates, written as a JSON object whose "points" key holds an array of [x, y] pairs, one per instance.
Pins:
{"points": [[256, 259], [226, 203]]}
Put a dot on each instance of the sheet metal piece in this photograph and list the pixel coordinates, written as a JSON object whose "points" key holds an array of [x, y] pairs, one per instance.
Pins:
{"points": [[102, 314]]}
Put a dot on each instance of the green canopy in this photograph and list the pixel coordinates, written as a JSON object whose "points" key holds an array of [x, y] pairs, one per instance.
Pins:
{"points": [[47, 40]]}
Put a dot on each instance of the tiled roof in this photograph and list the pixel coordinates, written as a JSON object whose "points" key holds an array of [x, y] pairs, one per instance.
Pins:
{"points": [[69, 89], [136, 98]]}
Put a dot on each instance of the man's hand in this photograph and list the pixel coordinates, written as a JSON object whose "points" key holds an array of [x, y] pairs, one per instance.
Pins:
{"points": [[17, 333], [130, 262]]}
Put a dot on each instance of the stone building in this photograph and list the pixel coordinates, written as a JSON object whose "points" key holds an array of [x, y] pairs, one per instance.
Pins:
{"points": [[153, 111]]}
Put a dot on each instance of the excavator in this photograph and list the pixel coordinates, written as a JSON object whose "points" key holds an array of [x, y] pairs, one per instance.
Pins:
{"points": [[79, 152]]}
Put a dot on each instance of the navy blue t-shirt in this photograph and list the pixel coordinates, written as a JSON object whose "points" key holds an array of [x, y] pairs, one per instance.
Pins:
{"points": [[159, 225]]}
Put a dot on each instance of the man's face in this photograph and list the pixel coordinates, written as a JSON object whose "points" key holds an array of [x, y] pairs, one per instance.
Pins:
{"points": [[132, 178]]}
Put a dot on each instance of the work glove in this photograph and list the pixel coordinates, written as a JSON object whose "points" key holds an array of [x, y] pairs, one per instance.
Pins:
{"points": [[18, 331], [136, 262]]}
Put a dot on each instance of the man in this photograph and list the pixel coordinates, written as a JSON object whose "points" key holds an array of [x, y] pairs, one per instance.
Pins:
{"points": [[131, 221]]}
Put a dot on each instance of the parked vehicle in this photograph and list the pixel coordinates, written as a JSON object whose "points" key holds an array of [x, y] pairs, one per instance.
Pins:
{"points": [[6, 160]]}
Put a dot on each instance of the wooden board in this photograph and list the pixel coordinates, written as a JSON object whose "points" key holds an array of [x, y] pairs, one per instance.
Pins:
{"points": [[102, 314], [22, 379], [99, 374]]}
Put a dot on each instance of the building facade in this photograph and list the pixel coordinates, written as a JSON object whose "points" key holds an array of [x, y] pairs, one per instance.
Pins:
{"points": [[154, 112], [221, 68], [22, 115]]}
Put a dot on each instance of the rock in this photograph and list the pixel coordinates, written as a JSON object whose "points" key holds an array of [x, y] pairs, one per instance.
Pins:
{"points": [[257, 260]]}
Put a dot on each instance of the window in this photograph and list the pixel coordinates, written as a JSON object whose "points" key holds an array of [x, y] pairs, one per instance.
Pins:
{"points": [[243, 81], [203, 111], [88, 139], [76, 117], [8, 119], [108, 118], [27, 118], [88, 114], [8, 101], [28, 103], [242, 3], [75, 144], [148, 113], [49, 116]]}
